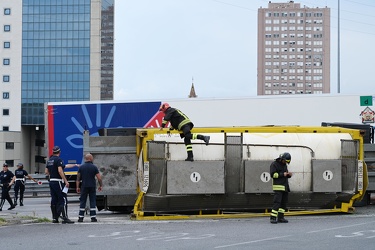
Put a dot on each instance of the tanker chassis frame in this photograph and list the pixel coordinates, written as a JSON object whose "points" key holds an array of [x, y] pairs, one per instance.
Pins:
{"points": [[145, 172]]}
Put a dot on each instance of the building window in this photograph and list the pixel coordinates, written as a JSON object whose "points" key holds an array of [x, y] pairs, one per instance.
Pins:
{"points": [[6, 61], [5, 111], [5, 128], [6, 11], [6, 28], [6, 78], [6, 45], [10, 163], [9, 145], [5, 95]]}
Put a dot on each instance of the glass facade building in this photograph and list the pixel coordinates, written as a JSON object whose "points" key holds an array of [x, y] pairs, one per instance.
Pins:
{"points": [[56, 51], [51, 51]]}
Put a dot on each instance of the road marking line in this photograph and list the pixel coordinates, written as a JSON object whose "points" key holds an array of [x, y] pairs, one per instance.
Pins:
{"points": [[334, 228], [253, 241]]}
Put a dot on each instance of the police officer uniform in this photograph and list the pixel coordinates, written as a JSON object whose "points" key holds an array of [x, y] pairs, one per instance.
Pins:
{"points": [[20, 175], [6, 177], [56, 183]]}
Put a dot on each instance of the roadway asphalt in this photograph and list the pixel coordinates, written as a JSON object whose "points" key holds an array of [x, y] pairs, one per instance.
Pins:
{"points": [[38, 209], [117, 231]]}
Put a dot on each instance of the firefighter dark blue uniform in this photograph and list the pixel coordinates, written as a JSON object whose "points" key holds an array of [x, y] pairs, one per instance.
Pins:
{"points": [[6, 181], [20, 176], [57, 182], [182, 123], [280, 185]]}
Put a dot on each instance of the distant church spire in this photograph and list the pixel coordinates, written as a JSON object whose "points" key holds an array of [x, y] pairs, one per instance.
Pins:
{"points": [[192, 90]]}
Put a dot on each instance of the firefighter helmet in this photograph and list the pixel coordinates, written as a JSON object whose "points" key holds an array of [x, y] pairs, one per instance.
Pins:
{"points": [[164, 107], [286, 156]]}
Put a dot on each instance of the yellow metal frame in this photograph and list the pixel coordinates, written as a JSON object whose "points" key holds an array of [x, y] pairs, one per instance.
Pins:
{"points": [[144, 135]]}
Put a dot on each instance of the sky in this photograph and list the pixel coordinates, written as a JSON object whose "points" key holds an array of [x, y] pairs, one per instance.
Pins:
{"points": [[162, 46]]}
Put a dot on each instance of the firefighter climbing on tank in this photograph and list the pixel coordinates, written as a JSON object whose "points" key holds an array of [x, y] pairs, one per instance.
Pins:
{"points": [[182, 123], [280, 176]]}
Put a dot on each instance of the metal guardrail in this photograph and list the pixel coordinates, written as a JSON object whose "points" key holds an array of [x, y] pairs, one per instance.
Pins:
{"points": [[34, 189]]}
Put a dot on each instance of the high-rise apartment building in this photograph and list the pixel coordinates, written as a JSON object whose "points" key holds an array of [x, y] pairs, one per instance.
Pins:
{"points": [[107, 38], [293, 49], [51, 51]]}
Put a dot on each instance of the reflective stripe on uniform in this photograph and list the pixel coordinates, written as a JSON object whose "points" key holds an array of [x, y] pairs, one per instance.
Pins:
{"points": [[274, 213], [278, 187], [54, 179]]}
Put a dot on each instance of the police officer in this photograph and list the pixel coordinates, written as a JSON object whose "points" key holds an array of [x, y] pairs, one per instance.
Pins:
{"points": [[19, 179], [280, 175], [57, 181], [182, 123], [6, 182]]}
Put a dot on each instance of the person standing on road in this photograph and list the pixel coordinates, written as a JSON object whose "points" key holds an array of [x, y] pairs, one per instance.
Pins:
{"points": [[280, 175], [55, 173], [87, 173], [6, 182], [183, 124], [19, 179]]}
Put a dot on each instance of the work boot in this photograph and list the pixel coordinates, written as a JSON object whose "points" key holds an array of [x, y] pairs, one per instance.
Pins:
{"points": [[273, 220], [282, 220], [80, 219], [67, 221], [15, 201], [190, 156], [21, 203], [55, 217], [12, 206], [93, 219], [206, 139]]}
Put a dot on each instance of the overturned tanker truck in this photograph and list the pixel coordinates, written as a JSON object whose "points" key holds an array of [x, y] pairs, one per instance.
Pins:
{"points": [[144, 171]]}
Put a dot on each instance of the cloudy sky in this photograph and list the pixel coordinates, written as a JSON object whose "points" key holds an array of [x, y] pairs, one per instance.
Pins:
{"points": [[160, 45]]}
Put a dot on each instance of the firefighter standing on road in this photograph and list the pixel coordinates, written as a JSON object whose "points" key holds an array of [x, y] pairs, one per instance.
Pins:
{"points": [[19, 179], [280, 175], [183, 124], [6, 182]]}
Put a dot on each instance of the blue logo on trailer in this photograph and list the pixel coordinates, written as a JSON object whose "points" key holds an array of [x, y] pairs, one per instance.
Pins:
{"points": [[69, 122]]}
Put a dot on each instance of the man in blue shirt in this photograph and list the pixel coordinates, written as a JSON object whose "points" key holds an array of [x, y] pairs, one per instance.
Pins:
{"points": [[87, 173]]}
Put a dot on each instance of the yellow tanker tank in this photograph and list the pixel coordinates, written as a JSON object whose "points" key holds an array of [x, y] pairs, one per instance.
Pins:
{"points": [[230, 176]]}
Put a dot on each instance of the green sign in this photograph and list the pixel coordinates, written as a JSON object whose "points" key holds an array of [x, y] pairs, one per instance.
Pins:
{"points": [[366, 100]]}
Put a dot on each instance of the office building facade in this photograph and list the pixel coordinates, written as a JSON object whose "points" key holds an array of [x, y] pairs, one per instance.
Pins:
{"points": [[293, 49], [52, 51]]}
